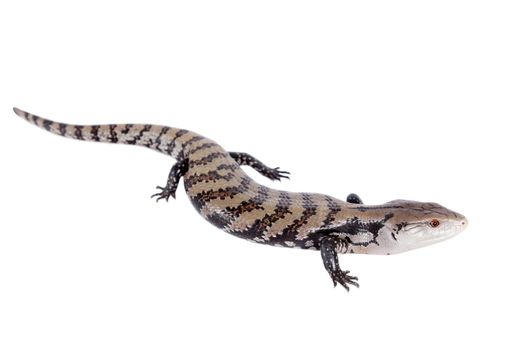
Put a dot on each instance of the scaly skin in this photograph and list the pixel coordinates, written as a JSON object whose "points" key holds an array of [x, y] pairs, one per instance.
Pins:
{"points": [[228, 198]]}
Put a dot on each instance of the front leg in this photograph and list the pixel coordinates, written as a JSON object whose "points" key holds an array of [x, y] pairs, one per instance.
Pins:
{"points": [[331, 263], [260, 167], [176, 172]]}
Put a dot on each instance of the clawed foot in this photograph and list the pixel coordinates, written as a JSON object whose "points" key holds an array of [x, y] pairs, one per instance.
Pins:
{"points": [[165, 193], [276, 174], [343, 277]]}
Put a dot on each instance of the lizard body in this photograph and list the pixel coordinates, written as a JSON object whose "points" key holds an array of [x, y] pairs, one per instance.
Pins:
{"points": [[228, 198]]}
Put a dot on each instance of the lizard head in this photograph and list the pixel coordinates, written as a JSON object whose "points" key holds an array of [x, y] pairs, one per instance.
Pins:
{"points": [[417, 224]]}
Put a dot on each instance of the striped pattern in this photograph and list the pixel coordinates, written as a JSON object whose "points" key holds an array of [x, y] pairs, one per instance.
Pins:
{"points": [[227, 197], [219, 189], [169, 141]]}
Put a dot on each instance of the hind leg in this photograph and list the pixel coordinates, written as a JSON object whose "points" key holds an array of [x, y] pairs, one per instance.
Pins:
{"points": [[260, 167], [176, 172], [354, 198]]}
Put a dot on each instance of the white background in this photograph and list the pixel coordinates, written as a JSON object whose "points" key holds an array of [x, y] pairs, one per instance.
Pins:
{"points": [[389, 99]]}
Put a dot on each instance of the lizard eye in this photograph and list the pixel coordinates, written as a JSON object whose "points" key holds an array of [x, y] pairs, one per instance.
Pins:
{"points": [[434, 223]]}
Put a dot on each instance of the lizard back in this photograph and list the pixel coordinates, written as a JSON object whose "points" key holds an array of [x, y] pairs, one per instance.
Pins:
{"points": [[216, 184]]}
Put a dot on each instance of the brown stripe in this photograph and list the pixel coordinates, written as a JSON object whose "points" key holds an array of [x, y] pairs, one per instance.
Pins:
{"points": [[308, 210], [201, 200], [243, 224], [206, 145], [217, 185], [222, 193], [207, 159], [254, 203], [248, 191], [158, 140], [223, 166], [333, 209], [192, 140], [173, 142], [320, 204], [210, 176], [280, 211], [294, 215], [139, 138]]}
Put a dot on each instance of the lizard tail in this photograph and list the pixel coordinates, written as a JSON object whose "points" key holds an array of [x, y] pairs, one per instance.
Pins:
{"points": [[167, 140]]}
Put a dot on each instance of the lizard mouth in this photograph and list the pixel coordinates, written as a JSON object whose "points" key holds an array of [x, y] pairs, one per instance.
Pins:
{"points": [[421, 234]]}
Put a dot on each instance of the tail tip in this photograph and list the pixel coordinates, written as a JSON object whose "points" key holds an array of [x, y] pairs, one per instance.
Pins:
{"points": [[19, 112]]}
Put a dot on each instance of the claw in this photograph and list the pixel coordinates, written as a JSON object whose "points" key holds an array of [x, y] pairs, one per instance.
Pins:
{"points": [[163, 194], [276, 174], [343, 278]]}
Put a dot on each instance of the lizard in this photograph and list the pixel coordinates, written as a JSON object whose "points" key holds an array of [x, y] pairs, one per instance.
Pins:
{"points": [[228, 198]]}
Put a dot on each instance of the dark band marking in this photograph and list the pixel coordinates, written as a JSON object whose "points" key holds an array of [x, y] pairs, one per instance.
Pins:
{"points": [[244, 207], [200, 199], [146, 128], [180, 133], [171, 145], [222, 193], [173, 142], [137, 139], [260, 226], [126, 129], [208, 158], [158, 140], [78, 132], [310, 210], [289, 233], [203, 146], [113, 137], [47, 124], [62, 128], [233, 166], [254, 203], [94, 132], [333, 209], [192, 140], [211, 176]]}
